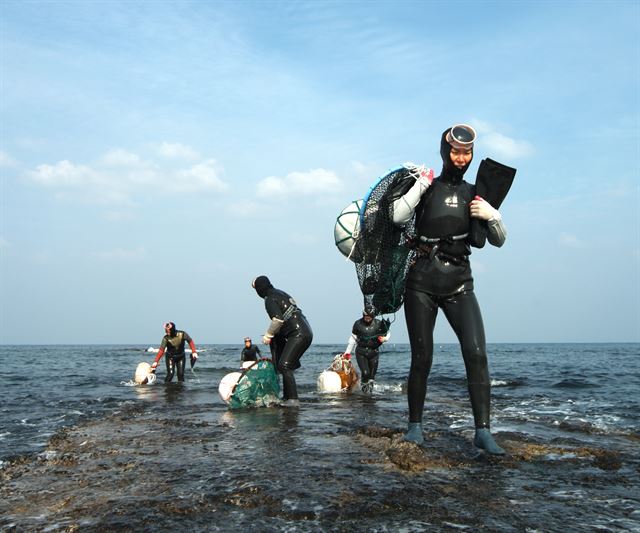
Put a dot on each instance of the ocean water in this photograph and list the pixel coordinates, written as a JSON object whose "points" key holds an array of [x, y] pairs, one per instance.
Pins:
{"points": [[82, 449]]}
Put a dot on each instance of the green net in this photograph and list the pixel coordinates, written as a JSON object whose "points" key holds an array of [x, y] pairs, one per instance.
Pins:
{"points": [[386, 250], [257, 387]]}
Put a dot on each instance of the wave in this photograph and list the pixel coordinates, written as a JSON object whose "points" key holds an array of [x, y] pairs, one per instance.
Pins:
{"points": [[574, 383]]}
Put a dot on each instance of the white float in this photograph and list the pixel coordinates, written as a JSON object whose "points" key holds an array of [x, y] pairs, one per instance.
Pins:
{"points": [[227, 384]]}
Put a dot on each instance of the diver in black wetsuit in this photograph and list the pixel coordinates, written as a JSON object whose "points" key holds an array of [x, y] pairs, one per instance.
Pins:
{"points": [[173, 343], [288, 335], [250, 352], [367, 335], [441, 278]]}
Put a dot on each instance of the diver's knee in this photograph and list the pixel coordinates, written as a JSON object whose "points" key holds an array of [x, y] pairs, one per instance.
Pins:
{"points": [[285, 366], [476, 353], [420, 362]]}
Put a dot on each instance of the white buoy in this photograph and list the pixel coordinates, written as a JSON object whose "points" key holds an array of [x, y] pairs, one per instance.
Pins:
{"points": [[247, 364], [329, 381], [228, 382], [144, 375], [345, 232]]}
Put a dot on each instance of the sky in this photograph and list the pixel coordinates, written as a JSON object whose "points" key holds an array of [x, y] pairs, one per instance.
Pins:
{"points": [[156, 156]]}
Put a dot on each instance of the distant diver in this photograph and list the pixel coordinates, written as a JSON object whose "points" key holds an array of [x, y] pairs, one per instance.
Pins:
{"points": [[449, 217], [367, 335], [250, 352], [173, 343], [288, 335]]}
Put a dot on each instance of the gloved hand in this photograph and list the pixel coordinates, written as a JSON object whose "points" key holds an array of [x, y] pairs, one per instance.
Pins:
{"points": [[480, 208], [381, 339], [194, 358], [425, 178], [266, 339], [154, 366], [346, 355]]}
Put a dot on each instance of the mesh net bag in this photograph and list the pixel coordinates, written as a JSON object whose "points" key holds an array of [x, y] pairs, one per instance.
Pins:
{"points": [[257, 387], [386, 250]]}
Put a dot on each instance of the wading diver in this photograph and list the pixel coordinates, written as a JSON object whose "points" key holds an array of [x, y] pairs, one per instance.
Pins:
{"points": [[173, 344], [367, 335]]}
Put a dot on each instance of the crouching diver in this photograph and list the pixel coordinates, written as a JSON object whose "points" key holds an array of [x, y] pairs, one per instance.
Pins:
{"points": [[288, 335], [440, 277], [367, 335], [173, 343]]}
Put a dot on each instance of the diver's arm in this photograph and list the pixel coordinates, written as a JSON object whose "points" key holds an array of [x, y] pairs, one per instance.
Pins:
{"points": [[497, 234], [158, 357], [351, 344], [274, 327], [405, 206], [194, 352]]}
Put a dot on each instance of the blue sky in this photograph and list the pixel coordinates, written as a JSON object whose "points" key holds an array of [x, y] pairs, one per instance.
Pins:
{"points": [[156, 156]]}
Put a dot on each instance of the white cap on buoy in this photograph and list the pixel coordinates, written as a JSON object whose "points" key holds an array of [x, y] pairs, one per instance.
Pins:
{"points": [[329, 381], [228, 382]]}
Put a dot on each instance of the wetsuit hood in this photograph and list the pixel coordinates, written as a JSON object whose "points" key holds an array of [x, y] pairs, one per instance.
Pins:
{"points": [[172, 329], [450, 172], [262, 285]]}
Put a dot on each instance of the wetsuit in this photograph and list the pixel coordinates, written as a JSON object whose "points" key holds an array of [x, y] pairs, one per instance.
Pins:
{"points": [[250, 354], [291, 337], [365, 337], [441, 278], [175, 358]]}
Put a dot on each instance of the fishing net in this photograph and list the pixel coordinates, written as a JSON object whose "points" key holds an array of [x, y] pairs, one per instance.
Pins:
{"points": [[257, 387], [384, 249]]}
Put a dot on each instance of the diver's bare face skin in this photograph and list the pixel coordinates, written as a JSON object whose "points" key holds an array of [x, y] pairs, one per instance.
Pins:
{"points": [[368, 319], [460, 157]]}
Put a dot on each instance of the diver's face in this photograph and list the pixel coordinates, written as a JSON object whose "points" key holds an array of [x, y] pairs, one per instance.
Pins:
{"points": [[247, 343], [461, 157], [367, 319]]}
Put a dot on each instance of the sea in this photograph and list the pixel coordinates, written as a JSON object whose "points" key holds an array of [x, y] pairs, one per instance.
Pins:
{"points": [[84, 449]]}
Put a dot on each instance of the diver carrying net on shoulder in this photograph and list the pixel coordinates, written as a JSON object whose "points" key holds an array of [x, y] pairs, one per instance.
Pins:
{"points": [[385, 250]]}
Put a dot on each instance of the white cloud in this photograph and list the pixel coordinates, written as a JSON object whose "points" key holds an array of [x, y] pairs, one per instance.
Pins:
{"points": [[570, 241], [177, 151], [317, 181], [121, 158], [64, 174], [120, 176], [6, 160], [499, 144], [200, 177]]}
